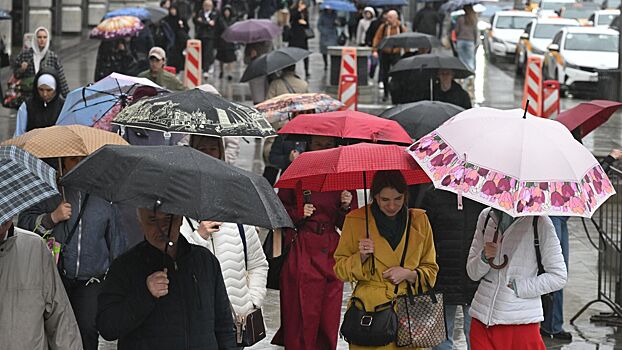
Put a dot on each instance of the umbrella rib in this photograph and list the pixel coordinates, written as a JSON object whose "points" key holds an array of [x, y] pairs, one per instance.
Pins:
{"points": [[93, 105]]}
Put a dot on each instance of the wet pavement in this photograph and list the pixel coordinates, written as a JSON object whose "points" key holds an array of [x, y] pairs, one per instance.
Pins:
{"points": [[494, 86]]}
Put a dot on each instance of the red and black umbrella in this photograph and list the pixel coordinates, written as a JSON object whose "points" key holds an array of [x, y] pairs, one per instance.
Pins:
{"points": [[348, 125], [587, 116]]}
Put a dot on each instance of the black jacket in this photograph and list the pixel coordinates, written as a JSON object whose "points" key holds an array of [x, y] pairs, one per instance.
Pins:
{"points": [[426, 21], [195, 314], [455, 95], [453, 234], [202, 28], [41, 114]]}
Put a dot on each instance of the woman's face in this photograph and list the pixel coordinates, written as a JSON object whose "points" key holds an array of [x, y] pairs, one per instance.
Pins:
{"points": [[390, 201], [46, 93], [42, 39], [319, 143], [209, 146], [368, 15], [227, 13], [172, 11]]}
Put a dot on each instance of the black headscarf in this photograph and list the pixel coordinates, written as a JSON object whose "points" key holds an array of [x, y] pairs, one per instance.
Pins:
{"points": [[391, 229], [41, 114]]}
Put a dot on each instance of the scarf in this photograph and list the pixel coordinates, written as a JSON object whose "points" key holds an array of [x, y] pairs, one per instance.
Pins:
{"points": [[391, 229], [39, 113], [39, 54]]}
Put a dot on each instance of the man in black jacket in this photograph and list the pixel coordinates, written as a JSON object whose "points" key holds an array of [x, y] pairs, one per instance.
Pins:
{"points": [[453, 233], [205, 29], [447, 90], [165, 293]]}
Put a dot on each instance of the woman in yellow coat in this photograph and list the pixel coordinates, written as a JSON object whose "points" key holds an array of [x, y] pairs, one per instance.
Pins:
{"points": [[387, 234]]}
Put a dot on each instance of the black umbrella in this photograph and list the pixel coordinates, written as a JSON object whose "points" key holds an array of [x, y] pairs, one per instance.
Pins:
{"points": [[420, 118], [274, 61], [195, 112], [432, 63], [408, 40], [179, 180]]}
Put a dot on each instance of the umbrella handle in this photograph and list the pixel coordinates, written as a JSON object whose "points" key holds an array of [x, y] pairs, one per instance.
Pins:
{"points": [[500, 266]]}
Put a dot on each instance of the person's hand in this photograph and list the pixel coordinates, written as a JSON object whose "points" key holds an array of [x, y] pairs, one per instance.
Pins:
{"points": [[302, 21], [346, 199], [490, 250], [397, 274], [211, 23], [616, 154], [157, 283], [375, 54], [293, 155], [366, 248], [308, 209], [206, 228], [181, 23], [23, 66], [61, 213]]}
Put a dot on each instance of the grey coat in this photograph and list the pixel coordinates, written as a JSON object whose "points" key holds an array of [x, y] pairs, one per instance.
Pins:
{"points": [[327, 26]]}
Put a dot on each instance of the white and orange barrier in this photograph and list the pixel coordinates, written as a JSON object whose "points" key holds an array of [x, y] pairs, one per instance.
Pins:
{"points": [[550, 98], [192, 71], [348, 79], [533, 85]]}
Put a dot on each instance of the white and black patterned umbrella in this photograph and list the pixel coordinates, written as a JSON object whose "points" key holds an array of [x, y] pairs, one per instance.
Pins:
{"points": [[196, 112], [24, 181]]}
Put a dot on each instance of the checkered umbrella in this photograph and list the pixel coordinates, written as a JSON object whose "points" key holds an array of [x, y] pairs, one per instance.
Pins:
{"points": [[24, 181]]}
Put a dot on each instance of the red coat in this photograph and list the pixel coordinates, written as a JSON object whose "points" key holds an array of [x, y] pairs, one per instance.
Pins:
{"points": [[311, 294]]}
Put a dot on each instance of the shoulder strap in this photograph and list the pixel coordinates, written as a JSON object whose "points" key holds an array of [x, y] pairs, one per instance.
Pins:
{"points": [[243, 237], [405, 245], [75, 225], [190, 223], [486, 222], [290, 89], [536, 243]]}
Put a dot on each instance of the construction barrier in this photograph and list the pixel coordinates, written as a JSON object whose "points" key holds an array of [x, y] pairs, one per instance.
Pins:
{"points": [[192, 71], [550, 99], [348, 79], [533, 85]]}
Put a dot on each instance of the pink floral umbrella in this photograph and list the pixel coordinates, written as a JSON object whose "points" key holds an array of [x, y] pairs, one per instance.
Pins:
{"points": [[521, 164]]}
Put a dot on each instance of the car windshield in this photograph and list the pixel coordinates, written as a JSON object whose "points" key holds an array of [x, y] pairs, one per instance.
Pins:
{"points": [[555, 6], [547, 31], [591, 42], [605, 20], [512, 22], [611, 4], [578, 12]]}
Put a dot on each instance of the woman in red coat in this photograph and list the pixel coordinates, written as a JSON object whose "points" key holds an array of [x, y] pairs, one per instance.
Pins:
{"points": [[311, 294]]}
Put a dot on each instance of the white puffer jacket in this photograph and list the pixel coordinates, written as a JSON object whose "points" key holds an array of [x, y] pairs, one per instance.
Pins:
{"points": [[245, 288], [497, 304]]}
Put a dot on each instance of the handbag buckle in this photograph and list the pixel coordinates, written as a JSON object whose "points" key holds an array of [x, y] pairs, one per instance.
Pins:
{"points": [[366, 320]]}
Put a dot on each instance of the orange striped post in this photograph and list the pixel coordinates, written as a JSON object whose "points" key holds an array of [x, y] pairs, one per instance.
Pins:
{"points": [[192, 72], [533, 85], [348, 79], [550, 97]]}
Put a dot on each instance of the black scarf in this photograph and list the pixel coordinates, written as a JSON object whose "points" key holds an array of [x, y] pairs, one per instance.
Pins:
{"points": [[391, 229], [41, 114]]}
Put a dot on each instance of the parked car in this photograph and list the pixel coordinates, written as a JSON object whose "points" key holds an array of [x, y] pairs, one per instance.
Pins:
{"points": [[577, 53], [537, 36], [603, 18], [506, 28], [548, 8], [579, 11]]}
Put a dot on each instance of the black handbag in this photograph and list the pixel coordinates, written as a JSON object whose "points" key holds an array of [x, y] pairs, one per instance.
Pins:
{"points": [[377, 327], [309, 33], [275, 263], [287, 33], [547, 299]]}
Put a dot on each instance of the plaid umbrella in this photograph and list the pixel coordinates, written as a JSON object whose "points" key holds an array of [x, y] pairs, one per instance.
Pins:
{"points": [[25, 181], [278, 109]]}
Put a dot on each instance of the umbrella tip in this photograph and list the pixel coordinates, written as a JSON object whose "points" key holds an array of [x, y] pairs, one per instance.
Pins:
{"points": [[526, 107]]}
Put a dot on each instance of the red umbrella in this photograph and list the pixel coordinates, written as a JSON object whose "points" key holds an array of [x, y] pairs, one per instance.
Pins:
{"points": [[348, 125], [348, 167], [588, 115]]}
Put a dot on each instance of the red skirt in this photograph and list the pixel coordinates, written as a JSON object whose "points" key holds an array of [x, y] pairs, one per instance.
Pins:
{"points": [[506, 337]]}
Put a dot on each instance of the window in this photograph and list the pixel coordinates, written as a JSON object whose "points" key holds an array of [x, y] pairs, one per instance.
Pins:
{"points": [[512, 22], [547, 31], [591, 42], [605, 19]]}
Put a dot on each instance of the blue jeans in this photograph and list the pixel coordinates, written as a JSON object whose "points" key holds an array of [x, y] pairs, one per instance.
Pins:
{"points": [[450, 316], [554, 322], [466, 53]]}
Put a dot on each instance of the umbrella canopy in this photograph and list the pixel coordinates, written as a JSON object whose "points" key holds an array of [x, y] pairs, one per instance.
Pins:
{"points": [[183, 181], [349, 125], [381, 3], [195, 112], [65, 141], [420, 118], [342, 168], [524, 166], [407, 40], [5, 15], [252, 31], [431, 63], [338, 5], [588, 115], [88, 104], [117, 27], [274, 61], [279, 108], [153, 14], [24, 181], [454, 5]]}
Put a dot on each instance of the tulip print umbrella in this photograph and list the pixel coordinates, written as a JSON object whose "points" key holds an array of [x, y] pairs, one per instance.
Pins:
{"points": [[117, 27], [280, 108], [520, 164]]}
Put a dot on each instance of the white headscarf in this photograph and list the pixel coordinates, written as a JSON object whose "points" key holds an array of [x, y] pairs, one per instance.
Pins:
{"points": [[38, 53], [47, 79]]}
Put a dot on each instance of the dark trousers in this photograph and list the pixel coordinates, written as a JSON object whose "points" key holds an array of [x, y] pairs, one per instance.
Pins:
{"points": [[271, 173], [83, 297], [386, 62], [208, 45]]}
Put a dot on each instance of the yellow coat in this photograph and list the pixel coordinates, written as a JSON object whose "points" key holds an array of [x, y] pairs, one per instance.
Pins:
{"points": [[373, 289]]}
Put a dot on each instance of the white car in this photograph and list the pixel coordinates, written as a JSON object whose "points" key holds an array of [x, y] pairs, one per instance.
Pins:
{"points": [[603, 18], [577, 53], [548, 8], [537, 37], [504, 33]]}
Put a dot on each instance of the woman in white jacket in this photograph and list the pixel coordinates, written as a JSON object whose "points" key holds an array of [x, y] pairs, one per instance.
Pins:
{"points": [[507, 308], [245, 279]]}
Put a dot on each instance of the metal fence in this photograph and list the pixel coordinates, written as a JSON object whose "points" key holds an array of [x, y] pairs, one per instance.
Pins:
{"points": [[606, 227]]}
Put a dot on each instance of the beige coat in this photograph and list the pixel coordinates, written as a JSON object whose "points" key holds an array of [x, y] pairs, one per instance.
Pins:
{"points": [[35, 313], [278, 86]]}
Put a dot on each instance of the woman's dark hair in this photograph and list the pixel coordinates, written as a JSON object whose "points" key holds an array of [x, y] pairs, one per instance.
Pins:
{"points": [[391, 179]]}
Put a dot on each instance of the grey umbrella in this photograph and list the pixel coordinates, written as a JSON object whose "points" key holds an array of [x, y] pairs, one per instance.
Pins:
{"points": [[420, 118], [431, 63], [408, 40], [179, 180], [274, 61]]}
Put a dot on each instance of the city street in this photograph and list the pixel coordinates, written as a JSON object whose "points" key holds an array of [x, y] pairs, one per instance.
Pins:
{"points": [[494, 86]]}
